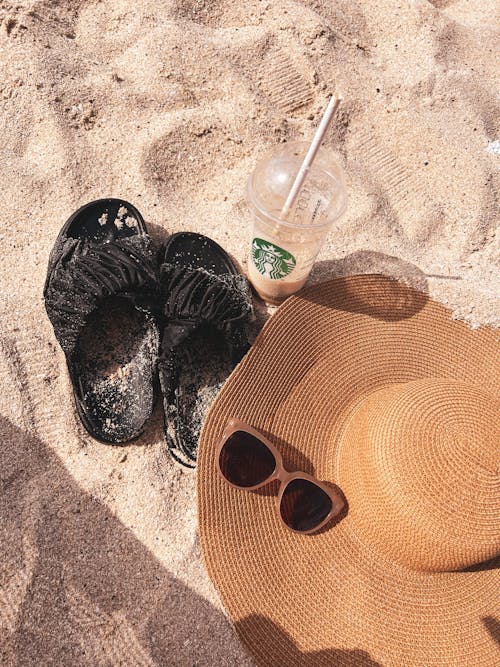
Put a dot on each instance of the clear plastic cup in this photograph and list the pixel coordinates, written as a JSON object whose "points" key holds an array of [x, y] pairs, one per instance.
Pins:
{"points": [[282, 253]]}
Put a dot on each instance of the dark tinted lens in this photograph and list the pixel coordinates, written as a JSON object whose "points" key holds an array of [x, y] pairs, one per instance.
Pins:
{"points": [[304, 505], [245, 460]]}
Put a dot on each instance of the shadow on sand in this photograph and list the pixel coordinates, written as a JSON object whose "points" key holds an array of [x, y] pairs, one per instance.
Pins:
{"points": [[403, 303], [77, 587], [398, 303]]}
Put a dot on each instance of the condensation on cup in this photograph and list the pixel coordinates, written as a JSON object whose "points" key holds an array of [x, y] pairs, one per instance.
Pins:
{"points": [[282, 252]]}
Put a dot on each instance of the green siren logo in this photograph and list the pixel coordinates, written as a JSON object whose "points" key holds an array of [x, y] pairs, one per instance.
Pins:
{"points": [[272, 261]]}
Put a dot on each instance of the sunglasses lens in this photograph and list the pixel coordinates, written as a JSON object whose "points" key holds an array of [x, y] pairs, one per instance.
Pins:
{"points": [[246, 461], [304, 505]]}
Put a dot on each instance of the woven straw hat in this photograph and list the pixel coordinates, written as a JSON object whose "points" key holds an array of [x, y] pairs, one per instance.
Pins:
{"points": [[364, 382]]}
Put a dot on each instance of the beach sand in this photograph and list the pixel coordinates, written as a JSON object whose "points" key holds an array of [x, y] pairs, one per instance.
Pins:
{"points": [[168, 104]]}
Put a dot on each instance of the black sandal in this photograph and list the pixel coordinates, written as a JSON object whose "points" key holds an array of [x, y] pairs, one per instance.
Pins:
{"points": [[99, 293], [204, 296]]}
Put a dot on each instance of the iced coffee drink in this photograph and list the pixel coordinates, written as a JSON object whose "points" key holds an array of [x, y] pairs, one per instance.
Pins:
{"points": [[283, 251]]}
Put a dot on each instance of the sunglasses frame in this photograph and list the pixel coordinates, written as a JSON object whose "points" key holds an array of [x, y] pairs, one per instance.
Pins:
{"points": [[281, 474]]}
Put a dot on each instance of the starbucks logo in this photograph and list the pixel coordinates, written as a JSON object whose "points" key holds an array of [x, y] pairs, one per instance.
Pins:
{"points": [[272, 261]]}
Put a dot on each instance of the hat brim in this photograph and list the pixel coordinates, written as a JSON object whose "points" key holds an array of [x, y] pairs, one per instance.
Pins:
{"points": [[327, 598]]}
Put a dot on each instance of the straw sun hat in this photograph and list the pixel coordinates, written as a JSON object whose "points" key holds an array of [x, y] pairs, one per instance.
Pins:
{"points": [[366, 383]]}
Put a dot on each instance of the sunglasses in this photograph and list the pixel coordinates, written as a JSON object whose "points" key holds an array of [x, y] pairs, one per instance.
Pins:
{"points": [[247, 460]]}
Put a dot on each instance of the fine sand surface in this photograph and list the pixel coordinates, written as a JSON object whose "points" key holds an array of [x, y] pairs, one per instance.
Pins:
{"points": [[168, 104]]}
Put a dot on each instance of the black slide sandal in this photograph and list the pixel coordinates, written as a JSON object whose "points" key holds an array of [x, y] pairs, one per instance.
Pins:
{"points": [[100, 294], [207, 303]]}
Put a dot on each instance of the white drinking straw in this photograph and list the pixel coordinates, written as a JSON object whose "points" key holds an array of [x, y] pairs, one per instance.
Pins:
{"points": [[332, 107]]}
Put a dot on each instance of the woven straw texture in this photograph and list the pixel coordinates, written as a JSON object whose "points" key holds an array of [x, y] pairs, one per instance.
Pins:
{"points": [[364, 382]]}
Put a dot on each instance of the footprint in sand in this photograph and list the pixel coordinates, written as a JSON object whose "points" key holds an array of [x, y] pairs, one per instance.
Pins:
{"points": [[281, 78], [454, 47], [109, 27], [347, 21], [262, 79], [392, 181], [197, 148], [442, 4], [459, 87], [417, 171], [109, 637], [20, 503], [15, 579], [36, 370], [218, 13]]}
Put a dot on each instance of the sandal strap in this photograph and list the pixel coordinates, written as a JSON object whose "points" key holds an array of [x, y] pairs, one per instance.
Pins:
{"points": [[196, 296], [193, 297], [181, 442], [85, 273]]}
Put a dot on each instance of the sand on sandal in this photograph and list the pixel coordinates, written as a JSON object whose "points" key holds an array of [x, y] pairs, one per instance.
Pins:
{"points": [[169, 104]]}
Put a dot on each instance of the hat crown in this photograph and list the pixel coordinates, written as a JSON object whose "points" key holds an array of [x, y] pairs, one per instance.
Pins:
{"points": [[422, 478]]}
